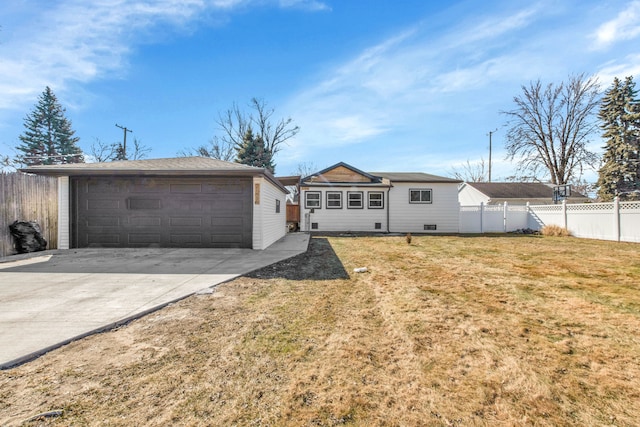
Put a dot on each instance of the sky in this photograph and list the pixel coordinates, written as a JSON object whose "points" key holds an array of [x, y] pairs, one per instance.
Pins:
{"points": [[383, 85]]}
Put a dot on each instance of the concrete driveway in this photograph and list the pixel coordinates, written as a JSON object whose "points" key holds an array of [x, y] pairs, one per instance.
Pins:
{"points": [[51, 298]]}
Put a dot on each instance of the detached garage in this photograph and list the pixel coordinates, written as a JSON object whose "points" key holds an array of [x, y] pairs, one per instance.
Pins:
{"points": [[185, 202]]}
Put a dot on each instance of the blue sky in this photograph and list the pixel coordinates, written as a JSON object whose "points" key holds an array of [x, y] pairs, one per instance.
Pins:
{"points": [[381, 84]]}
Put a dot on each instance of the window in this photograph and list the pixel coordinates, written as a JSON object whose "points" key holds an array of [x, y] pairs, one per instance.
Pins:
{"points": [[420, 195], [277, 206], [334, 200], [312, 200], [354, 200], [376, 200]]}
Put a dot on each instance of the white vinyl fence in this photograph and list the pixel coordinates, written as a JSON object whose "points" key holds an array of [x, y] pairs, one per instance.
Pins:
{"points": [[617, 220]]}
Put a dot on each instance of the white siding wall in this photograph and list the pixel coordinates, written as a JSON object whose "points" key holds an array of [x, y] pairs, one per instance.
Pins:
{"points": [[63, 213], [268, 225], [411, 217], [344, 219], [469, 196]]}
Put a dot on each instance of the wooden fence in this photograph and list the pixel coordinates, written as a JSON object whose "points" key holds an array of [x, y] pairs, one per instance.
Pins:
{"points": [[293, 213], [29, 198]]}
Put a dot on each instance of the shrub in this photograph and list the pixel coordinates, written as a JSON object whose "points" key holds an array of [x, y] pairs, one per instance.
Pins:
{"points": [[554, 230]]}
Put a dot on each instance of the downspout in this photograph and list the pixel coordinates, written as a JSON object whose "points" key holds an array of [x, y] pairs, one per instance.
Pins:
{"points": [[388, 209]]}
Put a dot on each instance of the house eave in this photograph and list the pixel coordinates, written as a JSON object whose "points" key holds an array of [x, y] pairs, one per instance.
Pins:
{"points": [[345, 184], [84, 172]]}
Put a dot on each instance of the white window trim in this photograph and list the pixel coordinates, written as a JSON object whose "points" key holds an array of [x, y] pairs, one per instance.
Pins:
{"points": [[359, 193], [318, 200], [430, 201], [339, 199], [381, 200]]}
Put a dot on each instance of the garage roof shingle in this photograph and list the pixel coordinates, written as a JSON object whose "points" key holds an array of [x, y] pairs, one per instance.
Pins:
{"points": [[170, 164], [176, 166]]}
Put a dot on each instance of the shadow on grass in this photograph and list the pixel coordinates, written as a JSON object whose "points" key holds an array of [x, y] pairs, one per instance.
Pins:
{"points": [[320, 262]]}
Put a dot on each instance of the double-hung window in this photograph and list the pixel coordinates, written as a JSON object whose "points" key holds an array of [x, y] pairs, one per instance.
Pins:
{"points": [[420, 195], [334, 199], [354, 200], [312, 200], [376, 199]]}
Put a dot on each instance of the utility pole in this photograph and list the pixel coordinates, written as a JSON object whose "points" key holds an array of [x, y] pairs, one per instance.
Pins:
{"points": [[491, 132], [124, 144]]}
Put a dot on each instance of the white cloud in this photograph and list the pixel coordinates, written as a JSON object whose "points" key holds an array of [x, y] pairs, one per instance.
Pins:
{"points": [[78, 41], [628, 66], [312, 5], [406, 80], [625, 26]]}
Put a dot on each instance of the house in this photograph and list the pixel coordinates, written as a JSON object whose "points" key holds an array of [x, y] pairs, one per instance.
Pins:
{"points": [[184, 202], [514, 193], [342, 198]]}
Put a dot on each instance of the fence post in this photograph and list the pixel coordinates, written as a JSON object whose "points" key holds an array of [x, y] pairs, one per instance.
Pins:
{"points": [[564, 214], [616, 218], [504, 217], [481, 217]]}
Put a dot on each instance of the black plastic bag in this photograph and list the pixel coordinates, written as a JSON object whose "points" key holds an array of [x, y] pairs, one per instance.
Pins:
{"points": [[27, 236]]}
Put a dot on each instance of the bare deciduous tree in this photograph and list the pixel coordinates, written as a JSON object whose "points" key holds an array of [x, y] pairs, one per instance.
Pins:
{"points": [[216, 149], [551, 126], [471, 172], [105, 152], [234, 124], [102, 152], [139, 151], [304, 169]]}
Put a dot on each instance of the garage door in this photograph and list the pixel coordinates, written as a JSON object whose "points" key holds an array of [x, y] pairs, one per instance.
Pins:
{"points": [[161, 212]]}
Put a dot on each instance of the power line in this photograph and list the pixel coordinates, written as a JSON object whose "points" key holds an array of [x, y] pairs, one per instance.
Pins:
{"points": [[57, 156], [491, 132], [124, 145]]}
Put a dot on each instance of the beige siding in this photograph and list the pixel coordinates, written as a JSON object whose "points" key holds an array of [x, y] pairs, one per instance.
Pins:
{"points": [[408, 217], [344, 219], [340, 174], [268, 225]]}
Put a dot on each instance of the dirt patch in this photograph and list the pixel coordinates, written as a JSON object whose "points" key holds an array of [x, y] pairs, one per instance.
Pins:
{"points": [[319, 262]]}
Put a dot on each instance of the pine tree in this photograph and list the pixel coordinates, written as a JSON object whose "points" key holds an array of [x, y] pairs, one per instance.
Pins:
{"points": [[252, 152], [620, 116], [48, 137], [120, 154]]}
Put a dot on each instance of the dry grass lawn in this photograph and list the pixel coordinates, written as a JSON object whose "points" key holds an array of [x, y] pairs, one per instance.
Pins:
{"points": [[469, 331]]}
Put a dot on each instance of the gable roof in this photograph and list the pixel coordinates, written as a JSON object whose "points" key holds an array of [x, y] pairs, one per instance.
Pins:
{"points": [[414, 177], [176, 166], [194, 163], [311, 178], [516, 190], [385, 178]]}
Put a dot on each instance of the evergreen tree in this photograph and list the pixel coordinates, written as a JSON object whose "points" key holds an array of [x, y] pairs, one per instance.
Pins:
{"points": [[120, 154], [620, 116], [252, 152], [48, 138]]}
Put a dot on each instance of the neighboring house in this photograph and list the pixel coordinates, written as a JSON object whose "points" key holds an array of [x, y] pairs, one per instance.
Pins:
{"points": [[342, 198], [514, 193], [184, 202]]}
